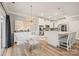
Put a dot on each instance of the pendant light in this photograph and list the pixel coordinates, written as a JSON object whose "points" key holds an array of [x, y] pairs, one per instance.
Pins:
{"points": [[59, 15]]}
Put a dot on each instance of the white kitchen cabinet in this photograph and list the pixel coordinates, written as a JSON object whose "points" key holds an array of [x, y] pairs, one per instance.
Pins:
{"points": [[53, 38]]}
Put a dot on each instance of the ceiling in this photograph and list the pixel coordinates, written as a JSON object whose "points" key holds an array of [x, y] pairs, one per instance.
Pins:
{"points": [[41, 8]]}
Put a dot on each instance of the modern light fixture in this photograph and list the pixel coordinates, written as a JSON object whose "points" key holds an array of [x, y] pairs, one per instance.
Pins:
{"points": [[31, 14], [31, 11], [59, 15]]}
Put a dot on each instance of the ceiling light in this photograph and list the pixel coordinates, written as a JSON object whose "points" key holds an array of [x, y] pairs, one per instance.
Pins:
{"points": [[59, 14]]}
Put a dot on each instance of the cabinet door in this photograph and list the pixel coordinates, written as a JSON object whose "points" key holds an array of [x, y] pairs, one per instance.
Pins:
{"points": [[53, 38]]}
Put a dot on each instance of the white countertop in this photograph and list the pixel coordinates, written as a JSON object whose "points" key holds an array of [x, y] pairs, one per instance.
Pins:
{"points": [[65, 32]]}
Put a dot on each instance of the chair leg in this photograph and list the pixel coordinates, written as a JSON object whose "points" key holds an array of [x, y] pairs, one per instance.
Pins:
{"points": [[67, 49]]}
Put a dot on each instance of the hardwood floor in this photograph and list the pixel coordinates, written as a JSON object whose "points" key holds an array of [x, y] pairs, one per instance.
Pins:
{"points": [[45, 50]]}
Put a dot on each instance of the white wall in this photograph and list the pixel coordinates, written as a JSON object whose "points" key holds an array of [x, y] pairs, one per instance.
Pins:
{"points": [[2, 29]]}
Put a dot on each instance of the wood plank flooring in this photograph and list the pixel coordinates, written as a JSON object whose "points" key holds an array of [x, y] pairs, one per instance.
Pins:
{"points": [[45, 50]]}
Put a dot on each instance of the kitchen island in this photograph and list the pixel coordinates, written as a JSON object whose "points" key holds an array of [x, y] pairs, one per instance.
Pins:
{"points": [[53, 37]]}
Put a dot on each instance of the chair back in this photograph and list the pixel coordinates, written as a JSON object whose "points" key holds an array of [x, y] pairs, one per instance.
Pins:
{"points": [[71, 38]]}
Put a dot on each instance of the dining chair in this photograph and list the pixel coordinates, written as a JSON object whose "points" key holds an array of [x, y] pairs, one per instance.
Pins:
{"points": [[33, 45], [36, 45], [67, 41]]}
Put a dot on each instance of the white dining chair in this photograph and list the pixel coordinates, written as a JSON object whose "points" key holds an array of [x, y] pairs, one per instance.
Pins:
{"points": [[33, 44], [67, 41]]}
